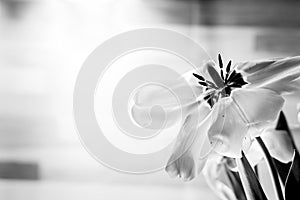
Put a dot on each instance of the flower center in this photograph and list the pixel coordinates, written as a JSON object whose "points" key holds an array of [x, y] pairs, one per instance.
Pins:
{"points": [[223, 82]]}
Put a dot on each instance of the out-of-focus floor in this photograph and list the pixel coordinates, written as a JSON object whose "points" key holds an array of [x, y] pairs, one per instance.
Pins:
{"points": [[42, 46]]}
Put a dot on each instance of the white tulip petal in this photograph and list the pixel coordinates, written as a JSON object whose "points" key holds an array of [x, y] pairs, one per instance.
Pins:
{"points": [[258, 106], [255, 154], [228, 130], [285, 84], [184, 161], [279, 144], [252, 67], [279, 75], [258, 71], [167, 93], [158, 117], [237, 118], [296, 136], [160, 106]]}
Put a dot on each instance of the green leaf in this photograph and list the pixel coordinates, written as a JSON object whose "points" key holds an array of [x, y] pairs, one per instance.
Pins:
{"points": [[272, 168], [292, 185], [290, 177], [250, 181], [236, 184], [283, 169]]}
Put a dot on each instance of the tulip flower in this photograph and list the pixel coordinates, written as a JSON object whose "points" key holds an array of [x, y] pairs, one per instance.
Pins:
{"points": [[234, 105]]}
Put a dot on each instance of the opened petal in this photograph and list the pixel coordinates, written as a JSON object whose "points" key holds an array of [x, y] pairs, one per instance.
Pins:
{"points": [[258, 107], [296, 136], [279, 144], [186, 160], [255, 154], [159, 106], [238, 118], [228, 130], [285, 84], [279, 75]]}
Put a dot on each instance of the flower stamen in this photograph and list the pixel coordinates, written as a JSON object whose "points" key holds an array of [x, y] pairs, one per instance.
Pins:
{"points": [[222, 85]]}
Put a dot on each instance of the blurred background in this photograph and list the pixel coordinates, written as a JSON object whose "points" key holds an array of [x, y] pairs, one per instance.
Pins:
{"points": [[43, 44]]}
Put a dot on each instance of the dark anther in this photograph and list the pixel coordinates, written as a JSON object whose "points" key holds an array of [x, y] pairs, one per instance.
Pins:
{"points": [[228, 90], [221, 66], [231, 76], [202, 83], [220, 61], [227, 71], [199, 77], [228, 67], [222, 75], [230, 80]]}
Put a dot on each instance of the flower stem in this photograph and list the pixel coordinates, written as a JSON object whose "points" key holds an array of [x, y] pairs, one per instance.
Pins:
{"points": [[272, 168], [256, 171]]}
